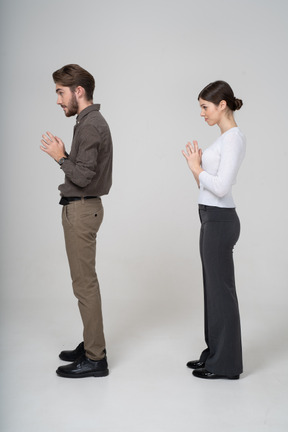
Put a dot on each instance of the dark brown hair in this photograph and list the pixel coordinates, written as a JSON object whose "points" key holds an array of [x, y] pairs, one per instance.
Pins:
{"points": [[217, 91], [72, 76]]}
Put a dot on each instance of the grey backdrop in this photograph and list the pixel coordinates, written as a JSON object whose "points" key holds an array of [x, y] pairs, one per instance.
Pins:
{"points": [[150, 59]]}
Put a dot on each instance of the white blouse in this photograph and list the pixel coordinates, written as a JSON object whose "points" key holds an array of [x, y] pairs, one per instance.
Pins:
{"points": [[221, 162]]}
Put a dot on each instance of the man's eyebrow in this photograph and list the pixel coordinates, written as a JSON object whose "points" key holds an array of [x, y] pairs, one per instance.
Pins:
{"points": [[58, 89]]}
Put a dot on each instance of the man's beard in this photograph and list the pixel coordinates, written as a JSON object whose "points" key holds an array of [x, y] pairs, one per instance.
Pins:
{"points": [[72, 107]]}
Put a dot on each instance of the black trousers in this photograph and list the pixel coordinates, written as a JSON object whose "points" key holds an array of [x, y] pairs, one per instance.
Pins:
{"points": [[220, 229]]}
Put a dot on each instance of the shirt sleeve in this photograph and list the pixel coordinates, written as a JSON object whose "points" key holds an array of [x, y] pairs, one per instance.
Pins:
{"points": [[231, 155], [83, 169]]}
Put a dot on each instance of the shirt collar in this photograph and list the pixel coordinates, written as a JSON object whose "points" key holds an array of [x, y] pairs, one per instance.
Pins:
{"points": [[87, 110]]}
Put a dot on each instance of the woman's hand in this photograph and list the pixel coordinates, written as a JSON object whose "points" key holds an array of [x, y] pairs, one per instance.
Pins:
{"points": [[193, 156]]}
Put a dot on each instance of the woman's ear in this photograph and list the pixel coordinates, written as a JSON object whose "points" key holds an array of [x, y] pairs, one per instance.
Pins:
{"points": [[222, 105]]}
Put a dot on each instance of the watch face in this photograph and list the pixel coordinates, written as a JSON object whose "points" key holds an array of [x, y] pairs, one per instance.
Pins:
{"points": [[61, 161]]}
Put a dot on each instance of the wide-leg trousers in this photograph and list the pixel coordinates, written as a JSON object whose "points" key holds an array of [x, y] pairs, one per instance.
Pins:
{"points": [[81, 221], [220, 229]]}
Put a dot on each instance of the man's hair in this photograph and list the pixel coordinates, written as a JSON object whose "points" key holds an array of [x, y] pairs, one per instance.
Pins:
{"points": [[72, 76]]}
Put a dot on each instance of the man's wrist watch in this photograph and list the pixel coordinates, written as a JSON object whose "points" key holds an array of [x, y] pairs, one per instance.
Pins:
{"points": [[61, 161]]}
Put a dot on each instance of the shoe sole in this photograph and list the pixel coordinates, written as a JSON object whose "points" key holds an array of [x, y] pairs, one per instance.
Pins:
{"points": [[71, 359], [83, 375], [235, 377]]}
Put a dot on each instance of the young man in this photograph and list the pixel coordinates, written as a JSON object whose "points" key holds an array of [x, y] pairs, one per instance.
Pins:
{"points": [[88, 176]]}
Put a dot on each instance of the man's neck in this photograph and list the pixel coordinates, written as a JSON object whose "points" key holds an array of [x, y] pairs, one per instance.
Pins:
{"points": [[83, 105]]}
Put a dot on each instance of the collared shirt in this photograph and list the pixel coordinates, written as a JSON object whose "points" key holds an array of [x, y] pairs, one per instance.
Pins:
{"points": [[88, 169]]}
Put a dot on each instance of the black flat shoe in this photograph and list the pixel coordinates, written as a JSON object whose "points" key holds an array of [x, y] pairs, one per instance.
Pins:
{"points": [[195, 364], [84, 367], [203, 373], [71, 356]]}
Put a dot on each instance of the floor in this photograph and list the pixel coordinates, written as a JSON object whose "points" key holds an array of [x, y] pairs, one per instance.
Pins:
{"points": [[149, 388]]}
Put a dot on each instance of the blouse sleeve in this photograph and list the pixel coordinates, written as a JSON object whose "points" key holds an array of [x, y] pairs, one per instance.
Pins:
{"points": [[231, 156]]}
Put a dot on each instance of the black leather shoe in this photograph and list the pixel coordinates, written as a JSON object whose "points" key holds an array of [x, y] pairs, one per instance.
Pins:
{"points": [[195, 364], [203, 373], [71, 356], [84, 367]]}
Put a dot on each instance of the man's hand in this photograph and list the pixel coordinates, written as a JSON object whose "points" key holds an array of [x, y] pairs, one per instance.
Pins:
{"points": [[53, 146]]}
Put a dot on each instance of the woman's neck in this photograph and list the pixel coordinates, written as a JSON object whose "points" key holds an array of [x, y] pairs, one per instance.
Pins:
{"points": [[226, 123]]}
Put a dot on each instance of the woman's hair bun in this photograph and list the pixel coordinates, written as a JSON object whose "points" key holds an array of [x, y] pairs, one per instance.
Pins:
{"points": [[218, 91], [237, 104]]}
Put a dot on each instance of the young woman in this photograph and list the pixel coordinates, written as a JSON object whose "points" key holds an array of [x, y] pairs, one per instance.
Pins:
{"points": [[215, 172]]}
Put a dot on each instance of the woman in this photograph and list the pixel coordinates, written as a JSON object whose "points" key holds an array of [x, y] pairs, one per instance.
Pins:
{"points": [[215, 172]]}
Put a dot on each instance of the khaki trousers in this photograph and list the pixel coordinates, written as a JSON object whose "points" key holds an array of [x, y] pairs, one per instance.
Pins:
{"points": [[81, 221]]}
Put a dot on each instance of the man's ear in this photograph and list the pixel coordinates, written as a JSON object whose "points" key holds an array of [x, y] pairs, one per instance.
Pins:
{"points": [[80, 92]]}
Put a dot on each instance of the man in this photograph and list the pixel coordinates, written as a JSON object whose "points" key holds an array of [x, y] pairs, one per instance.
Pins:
{"points": [[88, 176]]}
